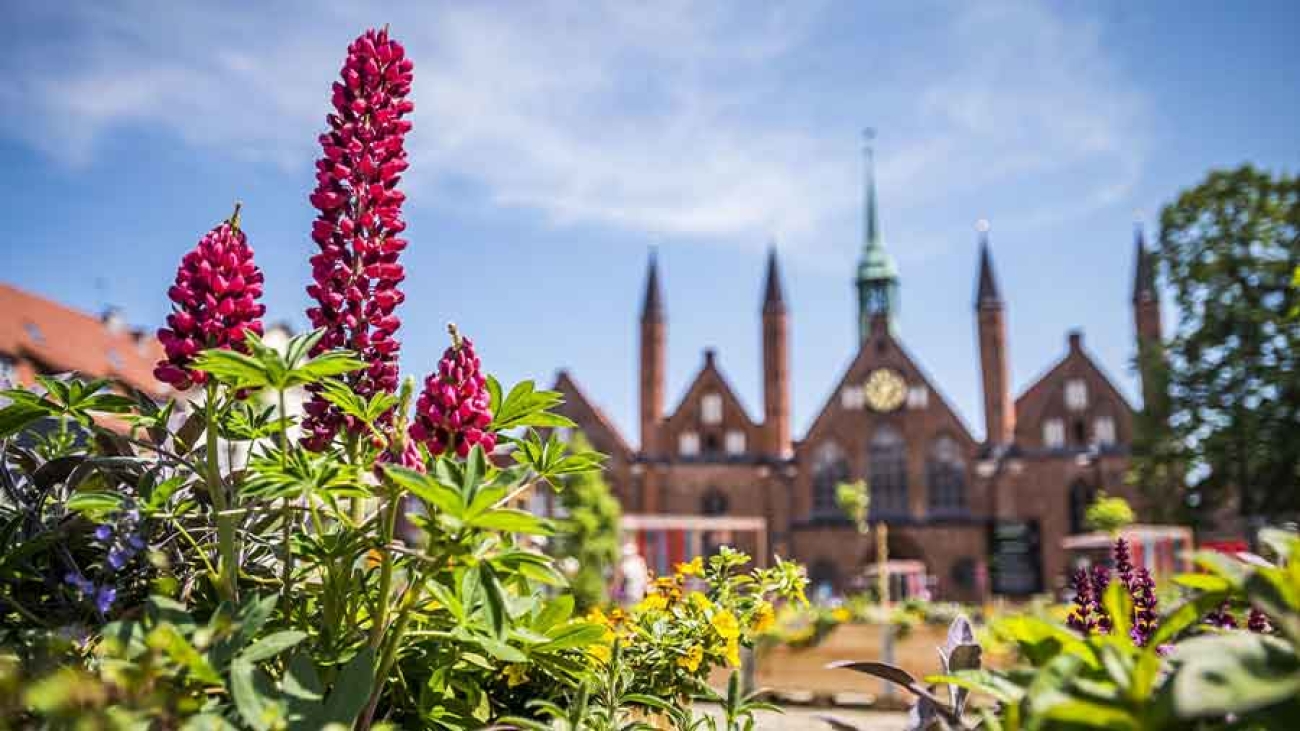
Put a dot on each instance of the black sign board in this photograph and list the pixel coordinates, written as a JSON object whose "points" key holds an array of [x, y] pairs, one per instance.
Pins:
{"points": [[1015, 557]]}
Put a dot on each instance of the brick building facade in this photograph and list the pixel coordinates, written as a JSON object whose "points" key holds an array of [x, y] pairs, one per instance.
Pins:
{"points": [[984, 516]]}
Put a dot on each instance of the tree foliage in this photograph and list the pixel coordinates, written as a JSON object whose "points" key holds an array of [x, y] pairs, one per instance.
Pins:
{"points": [[589, 534], [1229, 249]]}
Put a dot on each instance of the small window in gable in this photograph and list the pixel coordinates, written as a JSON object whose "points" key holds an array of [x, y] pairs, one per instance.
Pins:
{"points": [[852, 398], [1076, 394], [735, 442], [711, 408], [918, 397], [1103, 431], [1054, 433], [688, 444]]}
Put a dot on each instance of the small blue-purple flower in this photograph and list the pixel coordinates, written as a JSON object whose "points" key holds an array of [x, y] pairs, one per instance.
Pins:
{"points": [[104, 598]]}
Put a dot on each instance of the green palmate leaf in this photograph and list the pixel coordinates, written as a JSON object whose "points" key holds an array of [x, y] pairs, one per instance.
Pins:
{"points": [[18, 416], [493, 601], [233, 368], [272, 645], [431, 490], [323, 366], [525, 406], [509, 520], [95, 504], [572, 635], [300, 345]]}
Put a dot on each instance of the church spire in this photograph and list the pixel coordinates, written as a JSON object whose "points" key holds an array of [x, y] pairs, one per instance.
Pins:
{"points": [[987, 293], [773, 292], [1144, 273], [877, 279], [652, 309]]}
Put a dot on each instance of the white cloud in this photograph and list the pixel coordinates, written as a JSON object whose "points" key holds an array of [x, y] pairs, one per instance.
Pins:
{"points": [[662, 118]]}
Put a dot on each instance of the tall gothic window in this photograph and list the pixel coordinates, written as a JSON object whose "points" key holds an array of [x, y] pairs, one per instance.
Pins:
{"points": [[945, 476], [830, 468], [887, 473]]}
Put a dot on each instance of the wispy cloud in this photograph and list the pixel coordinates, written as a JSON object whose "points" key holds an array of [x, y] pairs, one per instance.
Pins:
{"points": [[676, 119]]}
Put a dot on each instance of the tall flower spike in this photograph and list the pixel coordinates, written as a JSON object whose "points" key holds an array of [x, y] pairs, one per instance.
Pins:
{"points": [[1081, 617], [355, 275], [1145, 616], [214, 303], [454, 409]]}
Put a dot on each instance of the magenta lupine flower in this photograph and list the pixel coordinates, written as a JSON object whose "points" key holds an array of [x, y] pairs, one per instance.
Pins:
{"points": [[360, 221], [1258, 622], [215, 302], [454, 409]]}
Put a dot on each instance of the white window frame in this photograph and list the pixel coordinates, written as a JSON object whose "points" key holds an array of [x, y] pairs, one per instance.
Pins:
{"points": [[1103, 431], [1076, 394], [688, 444], [1054, 433], [852, 398], [735, 442], [711, 408]]}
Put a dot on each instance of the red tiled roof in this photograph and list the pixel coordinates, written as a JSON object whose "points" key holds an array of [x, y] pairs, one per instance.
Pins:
{"points": [[60, 338]]}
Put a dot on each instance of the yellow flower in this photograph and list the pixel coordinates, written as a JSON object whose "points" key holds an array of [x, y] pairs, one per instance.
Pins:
{"points": [[841, 615], [733, 653], [695, 567], [654, 602], [692, 659], [700, 601], [597, 616], [600, 653], [764, 618], [725, 624], [516, 674]]}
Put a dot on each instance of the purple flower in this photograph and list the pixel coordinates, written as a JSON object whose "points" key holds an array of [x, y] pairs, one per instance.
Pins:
{"points": [[1124, 564], [355, 275], [1258, 622], [1081, 618], [104, 598], [215, 303], [103, 533], [454, 409], [1222, 617], [1100, 582], [80, 583], [1145, 617]]}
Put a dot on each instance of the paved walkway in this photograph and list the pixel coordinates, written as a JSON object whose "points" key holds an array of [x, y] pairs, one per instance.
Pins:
{"points": [[805, 719]]}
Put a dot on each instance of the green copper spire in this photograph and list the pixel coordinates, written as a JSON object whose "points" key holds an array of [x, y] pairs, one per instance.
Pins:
{"points": [[877, 279]]}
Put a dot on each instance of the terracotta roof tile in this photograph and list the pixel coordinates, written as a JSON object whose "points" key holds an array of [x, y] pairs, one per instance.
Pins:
{"points": [[60, 338]]}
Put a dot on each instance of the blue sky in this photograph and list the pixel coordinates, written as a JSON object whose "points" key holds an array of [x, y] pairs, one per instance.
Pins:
{"points": [[555, 142]]}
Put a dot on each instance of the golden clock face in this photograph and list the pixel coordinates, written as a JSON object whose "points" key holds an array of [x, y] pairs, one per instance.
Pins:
{"points": [[885, 389]]}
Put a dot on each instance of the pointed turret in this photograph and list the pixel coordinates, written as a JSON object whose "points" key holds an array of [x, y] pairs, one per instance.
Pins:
{"points": [[987, 292], [1146, 322], [652, 307], [999, 412], [654, 361], [1144, 271], [877, 279], [776, 364], [773, 292]]}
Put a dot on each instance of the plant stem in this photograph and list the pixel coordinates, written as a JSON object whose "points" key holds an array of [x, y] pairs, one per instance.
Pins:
{"points": [[387, 527], [229, 584], [286, 510]]}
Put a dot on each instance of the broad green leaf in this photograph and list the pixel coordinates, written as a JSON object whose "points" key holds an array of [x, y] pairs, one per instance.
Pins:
{"points": [[167, 638], [326, 365], [493, 601], [509, 520], [272, 645], [500, 650], [254, 696], [95, 504], [1203, 582], [18, 416], [233, 368], [427, 488], [572, 635], [1087, 714], [1235, 672], [351, 690], [553, 612]]}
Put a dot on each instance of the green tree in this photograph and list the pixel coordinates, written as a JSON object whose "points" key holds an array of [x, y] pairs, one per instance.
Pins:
{"points": [[589, 534], [1108, 513], [1229, 248]]}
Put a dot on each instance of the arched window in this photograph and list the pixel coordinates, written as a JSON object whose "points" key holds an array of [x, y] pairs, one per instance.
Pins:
{"points": [[713, 503], [830, 468], [1081, 496], [887, 473], [945, 476]]}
